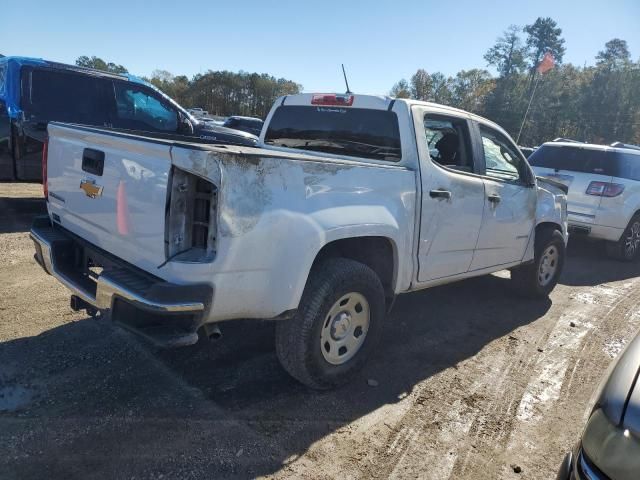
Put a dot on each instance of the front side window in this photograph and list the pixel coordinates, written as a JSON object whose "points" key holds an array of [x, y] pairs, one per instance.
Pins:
{"points": [[138, 108], [448, 142], [355, 132], [502, 159]]}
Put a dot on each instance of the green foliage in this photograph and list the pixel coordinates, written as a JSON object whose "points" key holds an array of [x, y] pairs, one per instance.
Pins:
{"points": [[508, 54], [600, 103], [99, 64], [544, 36], [225, 93], [401, 90], [615, 54]]}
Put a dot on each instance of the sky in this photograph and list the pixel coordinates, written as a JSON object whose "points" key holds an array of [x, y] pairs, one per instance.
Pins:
{"points": [[379, 42]]}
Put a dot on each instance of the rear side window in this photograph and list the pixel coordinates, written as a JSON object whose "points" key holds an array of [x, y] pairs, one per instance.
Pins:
{"points": [[575, 159], [355, 132], [626, 165], [62, 96], [586, 160]]}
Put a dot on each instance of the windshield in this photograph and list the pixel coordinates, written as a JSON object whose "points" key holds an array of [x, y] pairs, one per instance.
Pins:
{"points": [[355, 132]]}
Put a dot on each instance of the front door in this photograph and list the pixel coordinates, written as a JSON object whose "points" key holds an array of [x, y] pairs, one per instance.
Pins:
{"points": [[452, 195], [509, 204]]}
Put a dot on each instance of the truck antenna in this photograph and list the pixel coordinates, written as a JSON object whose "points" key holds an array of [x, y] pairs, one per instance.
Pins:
{"points": [[345, 79]]}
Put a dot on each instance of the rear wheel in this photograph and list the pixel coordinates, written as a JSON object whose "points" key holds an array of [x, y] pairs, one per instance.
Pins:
{"points": [[627, 249], [336, 327], [538, 279]]}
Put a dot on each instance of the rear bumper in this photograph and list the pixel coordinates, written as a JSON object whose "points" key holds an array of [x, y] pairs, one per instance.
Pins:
{"points": [[169, 314], [595, 231]]}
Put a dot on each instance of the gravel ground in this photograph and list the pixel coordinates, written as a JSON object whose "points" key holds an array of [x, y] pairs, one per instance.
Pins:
{"points": [[469, 382]]}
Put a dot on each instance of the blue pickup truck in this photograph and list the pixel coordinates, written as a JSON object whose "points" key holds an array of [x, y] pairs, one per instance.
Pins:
{"points": [[34, 92]]}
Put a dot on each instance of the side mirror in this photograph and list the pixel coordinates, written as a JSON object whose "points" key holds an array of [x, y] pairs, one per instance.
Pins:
{"points": [[3, 108], [185, 127]]}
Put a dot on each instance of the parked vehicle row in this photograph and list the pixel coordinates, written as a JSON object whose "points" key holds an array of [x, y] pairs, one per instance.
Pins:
{"points": [[349, 201], [34, 92]]}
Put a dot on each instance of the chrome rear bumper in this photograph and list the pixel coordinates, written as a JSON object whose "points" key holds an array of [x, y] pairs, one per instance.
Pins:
{"points": [[120, 284]]}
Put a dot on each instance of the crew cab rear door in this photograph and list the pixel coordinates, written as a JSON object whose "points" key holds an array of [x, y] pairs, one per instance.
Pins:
{"points": [[452, 194], [509, 202]]}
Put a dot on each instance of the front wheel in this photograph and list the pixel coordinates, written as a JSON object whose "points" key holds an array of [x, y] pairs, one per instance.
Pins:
{"points": [[337, 325], [538, 279], [627, 249]]}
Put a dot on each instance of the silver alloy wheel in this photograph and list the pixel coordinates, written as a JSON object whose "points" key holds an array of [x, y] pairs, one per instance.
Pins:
{"points": [[548, 265], [632, 240], [345, 328]]}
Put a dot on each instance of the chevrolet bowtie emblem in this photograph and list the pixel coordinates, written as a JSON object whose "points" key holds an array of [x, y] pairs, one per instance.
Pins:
{"points": [[90, 188]]}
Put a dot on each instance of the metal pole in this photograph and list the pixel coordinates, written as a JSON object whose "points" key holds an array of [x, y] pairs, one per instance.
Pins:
{"points": [[535, 85]]}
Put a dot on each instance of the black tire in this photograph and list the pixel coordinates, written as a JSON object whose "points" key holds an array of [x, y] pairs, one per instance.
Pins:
{"points": [[622, 250], [298, 344], [527, 280]]}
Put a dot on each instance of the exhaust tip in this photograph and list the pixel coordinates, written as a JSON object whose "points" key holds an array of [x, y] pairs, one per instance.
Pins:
{"points": [[213, 332]]}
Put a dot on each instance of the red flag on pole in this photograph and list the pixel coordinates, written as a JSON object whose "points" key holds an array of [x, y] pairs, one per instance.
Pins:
{"points": [[547, 63]]}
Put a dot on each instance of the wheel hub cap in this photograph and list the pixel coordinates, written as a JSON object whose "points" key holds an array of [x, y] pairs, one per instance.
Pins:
{"points": [[340, 326], [345, 328], [548, 265], [633, 240]]}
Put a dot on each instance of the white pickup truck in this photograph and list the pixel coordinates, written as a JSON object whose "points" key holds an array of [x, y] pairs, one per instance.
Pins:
{"points": [[348, 201]]}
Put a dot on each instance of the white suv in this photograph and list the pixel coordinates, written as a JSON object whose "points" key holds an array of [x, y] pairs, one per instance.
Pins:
{"points": [[604, 190]]}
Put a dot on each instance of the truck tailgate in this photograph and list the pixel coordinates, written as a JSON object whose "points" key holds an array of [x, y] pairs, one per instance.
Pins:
{"points": [[110, 190]]}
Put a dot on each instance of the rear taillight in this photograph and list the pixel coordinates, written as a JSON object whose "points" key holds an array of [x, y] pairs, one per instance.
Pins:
{"points": [[192, 215], [45, 154], [332, 99], [605, 189]]}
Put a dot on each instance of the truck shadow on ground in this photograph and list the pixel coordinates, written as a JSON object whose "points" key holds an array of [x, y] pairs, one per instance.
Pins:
{"points": [[158, 408], [16, 214]]}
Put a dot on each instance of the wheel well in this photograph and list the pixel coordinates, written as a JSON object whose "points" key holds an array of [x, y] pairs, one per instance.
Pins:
{"points": [[548, 226], [375, 252]]}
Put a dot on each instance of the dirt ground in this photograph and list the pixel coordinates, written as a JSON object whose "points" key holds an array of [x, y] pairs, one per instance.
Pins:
{"points": [[470, 383]]}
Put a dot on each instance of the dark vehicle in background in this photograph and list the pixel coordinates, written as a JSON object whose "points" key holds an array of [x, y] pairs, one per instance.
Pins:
{"points": [[610, 445], [34, 92], [245, 124], [527, 151]]}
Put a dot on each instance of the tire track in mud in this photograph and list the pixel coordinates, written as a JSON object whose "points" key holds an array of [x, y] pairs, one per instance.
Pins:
{"points": [[459, 429], [578, 352]]}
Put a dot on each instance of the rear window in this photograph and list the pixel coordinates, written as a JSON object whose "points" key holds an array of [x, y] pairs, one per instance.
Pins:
{"points": [[585, 160], [65, 97], [355, 132]]}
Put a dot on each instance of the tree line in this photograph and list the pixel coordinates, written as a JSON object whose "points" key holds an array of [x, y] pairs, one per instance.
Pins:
{"points": [[219, 92], [599, 103]]}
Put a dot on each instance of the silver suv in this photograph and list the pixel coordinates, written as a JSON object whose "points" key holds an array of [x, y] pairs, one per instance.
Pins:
{"points": [[604, 190]]}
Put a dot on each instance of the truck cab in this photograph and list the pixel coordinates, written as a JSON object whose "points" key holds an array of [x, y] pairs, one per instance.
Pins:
{"points": [[34, 92]]}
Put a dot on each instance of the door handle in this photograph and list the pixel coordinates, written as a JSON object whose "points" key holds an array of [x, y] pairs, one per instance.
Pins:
{"points": [[494, 198], [439, 193]]}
